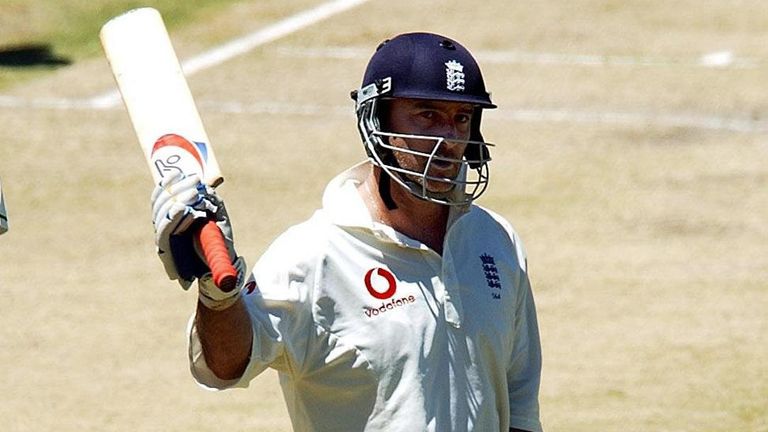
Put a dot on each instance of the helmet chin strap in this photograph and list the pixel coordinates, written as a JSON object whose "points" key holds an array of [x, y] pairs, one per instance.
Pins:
{"points": [[385, 184], [385, 192]]}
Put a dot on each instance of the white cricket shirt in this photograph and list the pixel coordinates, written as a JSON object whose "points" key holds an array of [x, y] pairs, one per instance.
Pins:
{"points": [[373, 331]]}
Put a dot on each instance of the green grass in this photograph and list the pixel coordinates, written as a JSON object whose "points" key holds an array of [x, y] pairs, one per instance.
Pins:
{"points": [[71, 27]]}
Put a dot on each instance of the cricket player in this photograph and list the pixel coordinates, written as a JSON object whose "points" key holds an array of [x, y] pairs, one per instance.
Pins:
{"points": [[3, 213], [399, 305]]}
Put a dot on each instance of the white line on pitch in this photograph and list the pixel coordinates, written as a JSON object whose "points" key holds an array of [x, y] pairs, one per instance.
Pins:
{"points": [[684, 120], [742, 124], [719, 59], [50, 103], [691, 120], [278, 108], [242, 45]]}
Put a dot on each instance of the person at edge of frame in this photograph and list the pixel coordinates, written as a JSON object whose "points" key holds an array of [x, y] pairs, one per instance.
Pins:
{"points": [[3, 213], [400, 305]]}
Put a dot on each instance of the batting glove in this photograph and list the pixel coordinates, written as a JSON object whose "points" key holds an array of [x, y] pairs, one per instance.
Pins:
{"points": [[180, 204]]}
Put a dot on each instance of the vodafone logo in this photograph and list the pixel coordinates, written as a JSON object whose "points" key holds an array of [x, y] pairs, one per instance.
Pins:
{"points": [[382, 285]]}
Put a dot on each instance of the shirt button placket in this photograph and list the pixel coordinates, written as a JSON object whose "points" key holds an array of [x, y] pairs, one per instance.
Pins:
{"points": [[445, 287]]}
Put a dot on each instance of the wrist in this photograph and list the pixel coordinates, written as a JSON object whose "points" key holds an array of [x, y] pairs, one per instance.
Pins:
{"points": [[212, 297]]}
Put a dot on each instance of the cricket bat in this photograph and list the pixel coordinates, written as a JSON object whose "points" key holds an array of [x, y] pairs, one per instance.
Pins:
{"points": [[3, 212], [164, 115]]}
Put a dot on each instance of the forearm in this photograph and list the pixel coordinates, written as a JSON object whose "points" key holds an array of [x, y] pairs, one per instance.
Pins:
{"points": [[226, 338]]}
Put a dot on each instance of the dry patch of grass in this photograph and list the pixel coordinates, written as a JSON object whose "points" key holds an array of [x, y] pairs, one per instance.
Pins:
{"points": [[646, 243]]}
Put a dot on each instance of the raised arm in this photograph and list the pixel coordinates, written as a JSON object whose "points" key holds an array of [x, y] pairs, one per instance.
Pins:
{"points": [[226, 338], [222, 322]]}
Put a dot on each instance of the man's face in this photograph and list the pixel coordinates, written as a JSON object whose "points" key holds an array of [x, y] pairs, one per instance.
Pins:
{"points": [[449, 120]]}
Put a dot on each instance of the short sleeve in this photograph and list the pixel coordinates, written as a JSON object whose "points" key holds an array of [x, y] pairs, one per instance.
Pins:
{"points": [[278, 300], [524, 371]]}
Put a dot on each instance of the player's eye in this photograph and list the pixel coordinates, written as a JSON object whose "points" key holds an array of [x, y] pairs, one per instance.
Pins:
{"points": [[429, 115], [463, 118]]}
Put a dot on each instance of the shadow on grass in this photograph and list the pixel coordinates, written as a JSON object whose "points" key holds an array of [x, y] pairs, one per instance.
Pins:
{"points": [[21, 56]]}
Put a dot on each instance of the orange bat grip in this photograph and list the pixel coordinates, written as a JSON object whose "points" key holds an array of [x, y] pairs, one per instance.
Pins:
{"points": [[217, 257]]}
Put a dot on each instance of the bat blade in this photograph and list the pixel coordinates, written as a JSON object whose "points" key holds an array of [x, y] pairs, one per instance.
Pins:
{"points": [[164, 116], [157, 96]]}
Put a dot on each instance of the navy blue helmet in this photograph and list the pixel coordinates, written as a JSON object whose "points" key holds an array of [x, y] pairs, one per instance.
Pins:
{"points": [[433, 67]]}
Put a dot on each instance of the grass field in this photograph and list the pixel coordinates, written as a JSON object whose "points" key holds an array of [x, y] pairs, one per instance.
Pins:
{"points": [[632, 157], [69, 27]]}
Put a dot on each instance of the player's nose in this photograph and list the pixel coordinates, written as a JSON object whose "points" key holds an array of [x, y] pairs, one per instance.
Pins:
{"points": [[452, 148]]}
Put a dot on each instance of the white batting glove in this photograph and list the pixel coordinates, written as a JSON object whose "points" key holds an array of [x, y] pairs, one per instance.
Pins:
{"points": [[179, 203]]}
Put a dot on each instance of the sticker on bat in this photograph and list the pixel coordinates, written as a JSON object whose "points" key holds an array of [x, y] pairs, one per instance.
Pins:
{"points": [[174, 153]]}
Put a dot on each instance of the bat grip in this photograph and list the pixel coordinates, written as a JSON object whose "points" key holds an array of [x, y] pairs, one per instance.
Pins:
{"points": [[217, 256]]}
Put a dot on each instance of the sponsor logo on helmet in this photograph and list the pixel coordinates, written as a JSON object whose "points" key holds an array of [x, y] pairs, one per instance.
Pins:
{"points": [[454, 73], [375, 278]]}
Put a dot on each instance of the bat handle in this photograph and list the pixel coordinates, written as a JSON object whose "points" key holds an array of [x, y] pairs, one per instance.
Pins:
{"points": [[217, 256]]}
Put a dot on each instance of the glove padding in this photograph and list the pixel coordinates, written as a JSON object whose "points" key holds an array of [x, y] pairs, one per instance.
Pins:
{"points": [[180, 204]]}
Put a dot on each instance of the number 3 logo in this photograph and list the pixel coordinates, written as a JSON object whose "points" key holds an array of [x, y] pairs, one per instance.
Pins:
{"points": [[386, 275]]}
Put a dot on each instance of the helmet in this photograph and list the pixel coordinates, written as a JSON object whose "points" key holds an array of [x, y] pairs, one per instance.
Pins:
{"points": [[424, 66]]}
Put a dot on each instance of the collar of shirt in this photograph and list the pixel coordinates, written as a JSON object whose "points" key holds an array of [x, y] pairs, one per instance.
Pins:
{"points": [[346, 208]]}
